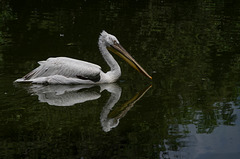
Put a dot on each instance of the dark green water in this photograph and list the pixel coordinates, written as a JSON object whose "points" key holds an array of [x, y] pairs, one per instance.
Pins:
{"points": [[191, 49]]}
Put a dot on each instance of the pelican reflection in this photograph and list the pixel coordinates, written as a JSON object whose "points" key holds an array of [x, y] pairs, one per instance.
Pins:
{"points": [[110, 117], [69, 95], [63, 95]]}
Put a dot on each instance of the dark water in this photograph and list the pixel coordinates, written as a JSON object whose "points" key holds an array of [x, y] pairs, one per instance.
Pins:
{"points": [[189, 110]]}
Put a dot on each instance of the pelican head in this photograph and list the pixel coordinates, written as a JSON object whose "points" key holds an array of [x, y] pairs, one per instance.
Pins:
{"points": [[112, 44]]}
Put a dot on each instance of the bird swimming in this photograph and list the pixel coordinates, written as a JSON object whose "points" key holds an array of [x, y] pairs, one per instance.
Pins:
{"points": [[64, 70]]}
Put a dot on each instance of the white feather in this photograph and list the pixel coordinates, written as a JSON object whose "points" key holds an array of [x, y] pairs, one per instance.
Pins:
{"points": [[67, 67]]}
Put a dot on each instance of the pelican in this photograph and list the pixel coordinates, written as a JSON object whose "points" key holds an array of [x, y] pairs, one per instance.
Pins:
{"points": [[64, 70]]}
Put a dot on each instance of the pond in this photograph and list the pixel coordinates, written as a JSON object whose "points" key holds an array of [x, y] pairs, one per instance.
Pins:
{"points": [[190, 109]]}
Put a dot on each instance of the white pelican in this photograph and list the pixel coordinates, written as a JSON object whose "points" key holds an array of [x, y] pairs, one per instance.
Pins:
{"points": [[64, 70]]}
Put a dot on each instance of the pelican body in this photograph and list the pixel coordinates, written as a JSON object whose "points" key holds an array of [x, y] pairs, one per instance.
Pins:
{"points": [[64, 70]]}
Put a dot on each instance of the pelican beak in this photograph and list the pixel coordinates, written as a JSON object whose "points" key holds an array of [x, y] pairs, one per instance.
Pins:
{"points": [[120, 51]]}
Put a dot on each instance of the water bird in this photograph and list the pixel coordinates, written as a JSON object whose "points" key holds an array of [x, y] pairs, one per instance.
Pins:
{"points": [[64, 70]]}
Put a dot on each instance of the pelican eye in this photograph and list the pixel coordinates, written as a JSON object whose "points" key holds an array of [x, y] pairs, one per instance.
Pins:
{"points": [[115, 42]]}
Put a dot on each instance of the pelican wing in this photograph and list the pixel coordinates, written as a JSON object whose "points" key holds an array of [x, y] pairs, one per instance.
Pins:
{"points": [[66, 67]]}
